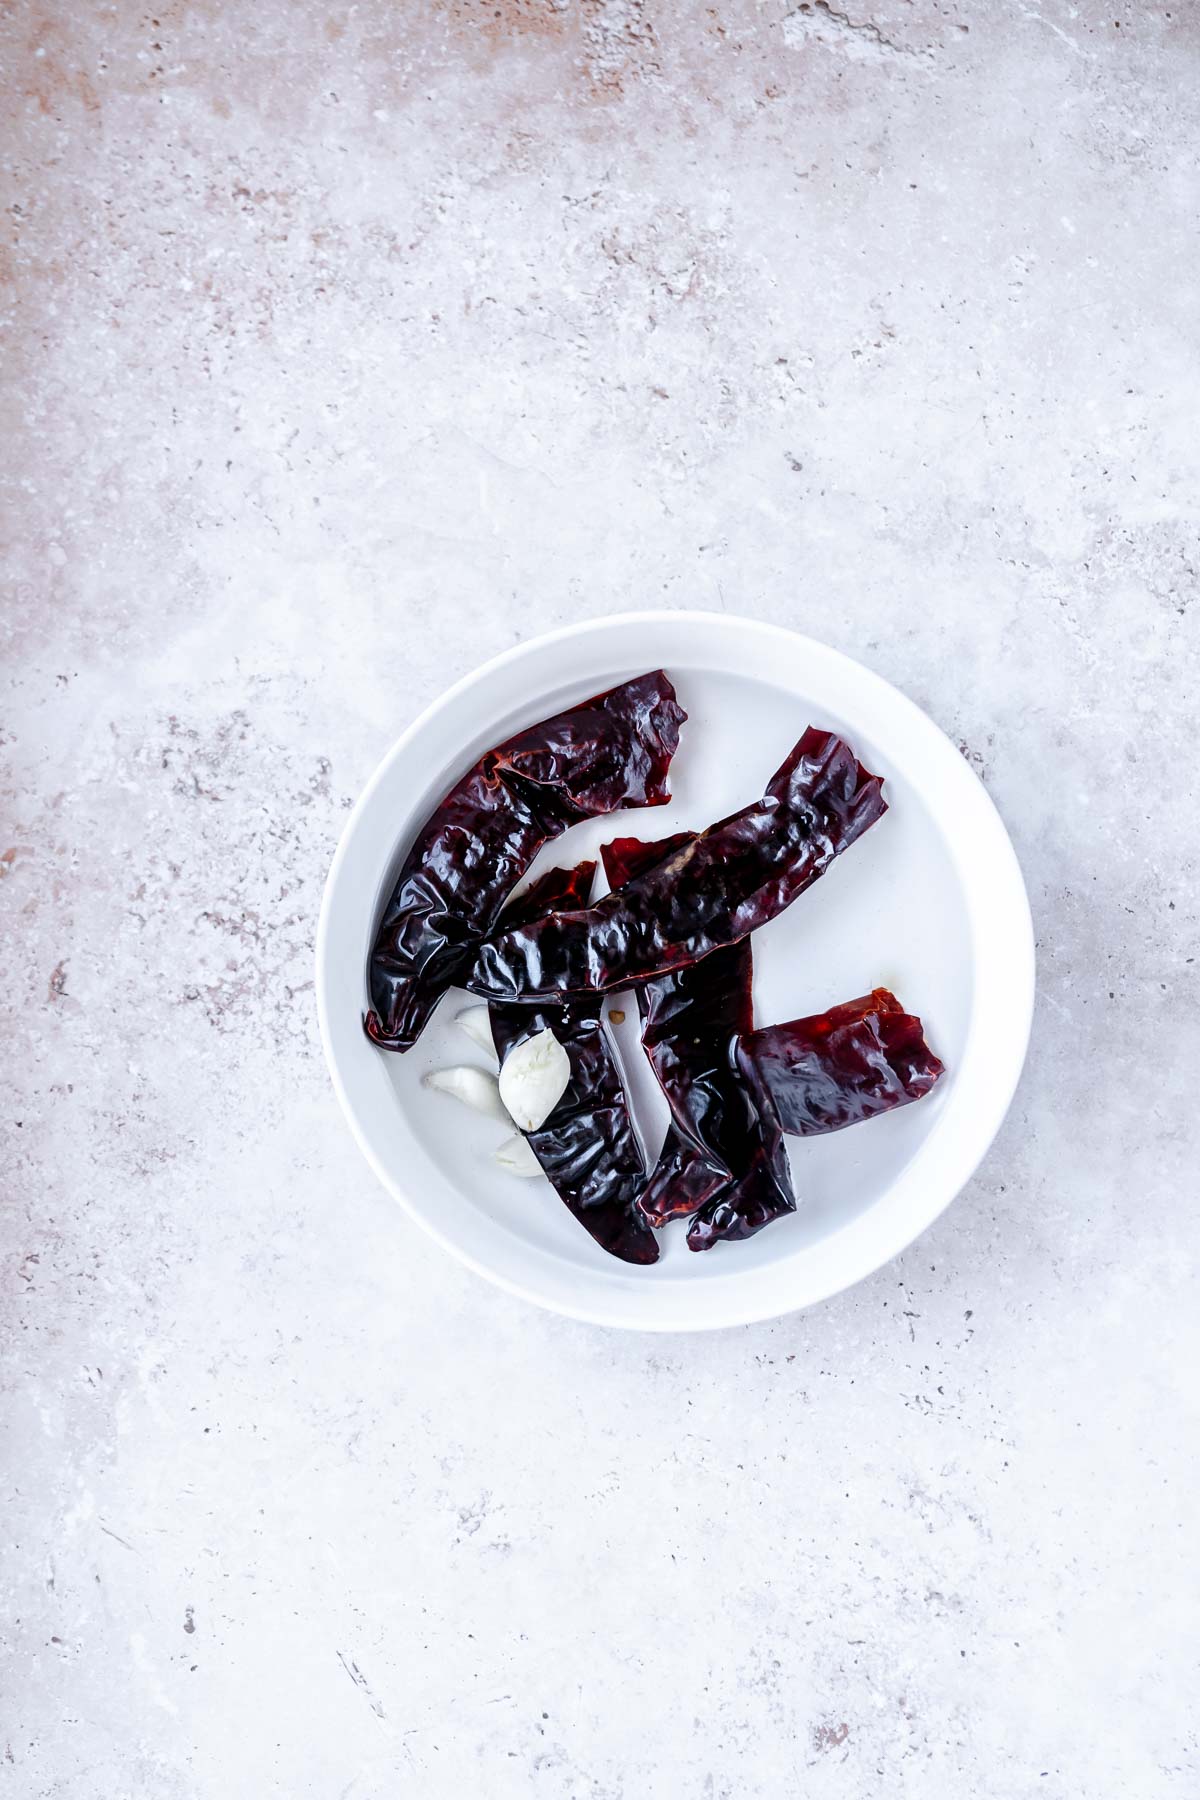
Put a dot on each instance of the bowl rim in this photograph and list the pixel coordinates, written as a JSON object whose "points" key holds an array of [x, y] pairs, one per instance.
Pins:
{"points": [[1020, 950]]}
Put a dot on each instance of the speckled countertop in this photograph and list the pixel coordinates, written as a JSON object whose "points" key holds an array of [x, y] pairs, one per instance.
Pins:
{"points": [[343, 347]]}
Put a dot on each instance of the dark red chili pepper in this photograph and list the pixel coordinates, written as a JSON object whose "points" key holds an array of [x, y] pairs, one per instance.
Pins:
{"points": [[724, 1133], [739, 1211], [839, 1067], [588, 1148], [610, 751], [713, 890]]}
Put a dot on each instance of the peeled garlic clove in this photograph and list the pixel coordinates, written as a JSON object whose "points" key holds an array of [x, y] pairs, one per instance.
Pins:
{"points": [[474, 1087], [533, 1079], [516, 1158], [477, 1024]]}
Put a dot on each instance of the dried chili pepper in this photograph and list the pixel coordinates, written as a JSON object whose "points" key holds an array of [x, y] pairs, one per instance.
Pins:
{"points": [[713, 890], [610, 751], [724, 1132], [738, 1211], [839, 1067], [820, 1074], [588, 1148]]}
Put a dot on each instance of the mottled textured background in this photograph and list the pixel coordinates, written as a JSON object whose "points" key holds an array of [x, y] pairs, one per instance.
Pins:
{"points": [[343, 347]]}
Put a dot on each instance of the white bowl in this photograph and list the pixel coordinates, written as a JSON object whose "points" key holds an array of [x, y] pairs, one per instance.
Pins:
{"points": [[929, 903]]}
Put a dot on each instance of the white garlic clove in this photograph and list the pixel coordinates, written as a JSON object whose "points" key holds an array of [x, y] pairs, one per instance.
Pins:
{"points": [[474, 1087], [516, 1158], [477, 1023], [533, 1079]]}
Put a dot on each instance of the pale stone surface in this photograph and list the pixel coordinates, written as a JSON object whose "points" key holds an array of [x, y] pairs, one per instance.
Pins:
{"points": [[345, 346]]}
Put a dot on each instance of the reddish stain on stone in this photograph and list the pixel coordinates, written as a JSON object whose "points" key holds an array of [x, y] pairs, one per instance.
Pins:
{"points": [[511, 18]]}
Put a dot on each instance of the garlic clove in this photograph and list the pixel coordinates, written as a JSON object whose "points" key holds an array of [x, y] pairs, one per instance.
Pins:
{"points": [[474, 1087], [516, 1158], [533, 1079], [476, 1022]]}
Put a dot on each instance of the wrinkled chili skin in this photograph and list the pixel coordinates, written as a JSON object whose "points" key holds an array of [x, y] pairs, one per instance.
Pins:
{"points": [[713, 890], [738, 1212], [608, 752], [724, 1132], [588, 1148], [837, 1068], [728, 1130]]}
